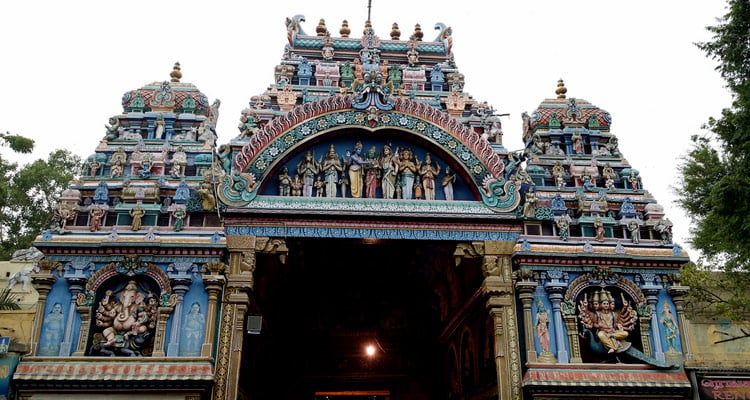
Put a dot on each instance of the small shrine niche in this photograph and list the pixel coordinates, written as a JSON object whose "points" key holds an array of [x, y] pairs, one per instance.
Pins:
{"points": [[125, 318], [125, 299]]}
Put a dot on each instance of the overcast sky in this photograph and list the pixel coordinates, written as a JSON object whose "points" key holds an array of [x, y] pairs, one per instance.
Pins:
{"points": [[66, 64]]}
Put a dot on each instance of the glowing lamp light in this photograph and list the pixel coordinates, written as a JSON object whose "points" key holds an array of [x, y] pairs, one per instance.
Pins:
{"points": [[370, 350]]}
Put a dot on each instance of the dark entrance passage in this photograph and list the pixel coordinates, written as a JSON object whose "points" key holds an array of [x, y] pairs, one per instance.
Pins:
{"points": [[350, 316]]}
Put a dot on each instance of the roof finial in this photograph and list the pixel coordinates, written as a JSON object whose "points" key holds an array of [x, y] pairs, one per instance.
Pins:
{"points": [[418, 34], [345, 31], [561, 89], [369, 8], [395, 33], [368, 28], [321, 29], [176, 74]]}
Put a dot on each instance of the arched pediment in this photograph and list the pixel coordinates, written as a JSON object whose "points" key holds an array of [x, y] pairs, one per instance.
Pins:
{"points": [[421, 122]]}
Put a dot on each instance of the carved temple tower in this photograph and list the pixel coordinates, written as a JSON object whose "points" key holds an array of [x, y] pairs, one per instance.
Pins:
{"points": [[365, 234]]}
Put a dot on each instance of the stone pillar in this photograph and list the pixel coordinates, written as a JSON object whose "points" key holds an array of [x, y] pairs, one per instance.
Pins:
{"points": [[498, 290], [556, 288], [525, 289], [83, 306], [678, 292], [214, 283], [239, 282], [76, 287], [163, 314], [571, 324], [651, 291], [180, 287], [42, 281]]}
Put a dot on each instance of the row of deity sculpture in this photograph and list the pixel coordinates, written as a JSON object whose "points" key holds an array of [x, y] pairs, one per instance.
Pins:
{"points": [[143, 162], [576, 146], [203, 132], [389, 174], [587, 176]]}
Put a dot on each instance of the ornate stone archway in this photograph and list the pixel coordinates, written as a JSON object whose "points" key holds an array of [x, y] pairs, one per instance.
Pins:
{"points": [[310, 121]]}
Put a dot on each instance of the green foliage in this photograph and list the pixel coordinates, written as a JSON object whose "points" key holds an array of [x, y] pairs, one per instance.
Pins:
{"points": [[7, 302], [28, 195], [715, 176], [716, 294], [17, 143]]}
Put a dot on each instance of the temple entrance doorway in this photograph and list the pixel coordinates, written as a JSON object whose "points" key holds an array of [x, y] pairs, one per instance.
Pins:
{"points": [[357, 316]]}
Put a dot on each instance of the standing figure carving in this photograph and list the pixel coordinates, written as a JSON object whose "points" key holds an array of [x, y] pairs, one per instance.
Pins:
{"points": [[332, 168], [529, 207], [355, 163], [52, 336], [407, 169], [372, 173], [96, 214], [285, 182], [389, 169], [429, 172], [136, 213], [308, 169], [448, 180], [117, 162]]}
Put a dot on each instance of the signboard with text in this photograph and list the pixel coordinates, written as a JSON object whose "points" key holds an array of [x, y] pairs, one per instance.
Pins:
{"points": [[724, 387]]}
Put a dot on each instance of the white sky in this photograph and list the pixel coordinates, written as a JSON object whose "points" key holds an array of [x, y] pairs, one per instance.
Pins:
{"points": [[66, 64]]}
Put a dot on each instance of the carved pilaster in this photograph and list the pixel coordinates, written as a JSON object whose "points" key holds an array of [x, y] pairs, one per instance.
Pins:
{"points": [[85, 311], [214, 283], [498, 289], [678, 292], [161, 331], [42, 281], [650, 329], [468, 250], [645, 338], [525, 289], [76, 287], [575, 346], [556, 288], [231, 334]]}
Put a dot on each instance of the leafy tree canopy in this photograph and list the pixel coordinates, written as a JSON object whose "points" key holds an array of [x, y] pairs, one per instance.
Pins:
{"points": [[29, 194], [715, 176]]}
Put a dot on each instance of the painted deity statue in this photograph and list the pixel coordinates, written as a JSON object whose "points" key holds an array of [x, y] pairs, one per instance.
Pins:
{"points": [[332, 168], [529, 207], [670, 327], [448, 180], [52, 336], [558, 172], [356, 163], [599, 227], [609, 176], [389, 169], [117, 162], [611, 327], [285, 182], [192, 331], [128, 319], [308, 169], [635, 231], [179, 215], [577, 143], [407, 169], [372, 173], [429, 171], [136, 213], [96, 214]]}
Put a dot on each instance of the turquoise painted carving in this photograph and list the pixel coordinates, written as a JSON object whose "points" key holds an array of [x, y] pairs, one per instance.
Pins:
{"points": [[277, 140]]}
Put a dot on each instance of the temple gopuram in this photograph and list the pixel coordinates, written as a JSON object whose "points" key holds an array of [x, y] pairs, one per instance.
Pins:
{"points": [[364, 235]]}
